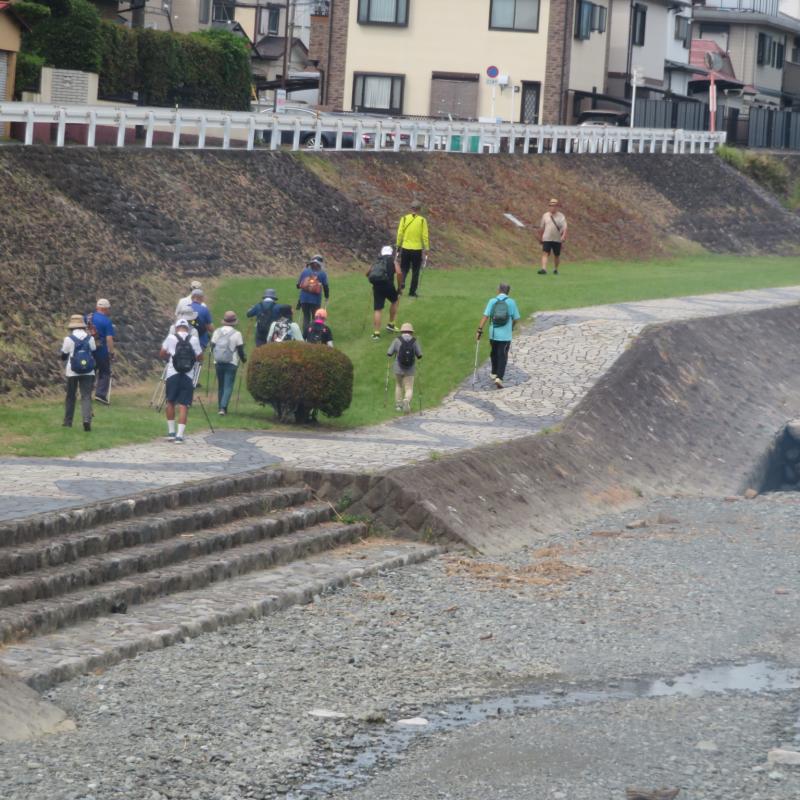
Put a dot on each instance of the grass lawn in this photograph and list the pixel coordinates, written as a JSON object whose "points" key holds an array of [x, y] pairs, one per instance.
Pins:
{"points": [[444, 317]]}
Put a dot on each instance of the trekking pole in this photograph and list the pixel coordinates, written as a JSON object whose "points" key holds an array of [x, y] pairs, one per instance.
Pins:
{"points": [[419, 390], [475, 368], [239, 390], [154, 399], [208, 377], [208, 420], [386, 385]]}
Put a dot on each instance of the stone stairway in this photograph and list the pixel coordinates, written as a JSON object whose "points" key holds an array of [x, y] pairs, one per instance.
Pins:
{"points": [[89, 587]]}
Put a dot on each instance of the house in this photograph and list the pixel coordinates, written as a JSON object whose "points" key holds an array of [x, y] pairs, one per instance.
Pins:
{"points": [[762, 42], [650, 38], [463, 59], [11, 27]]}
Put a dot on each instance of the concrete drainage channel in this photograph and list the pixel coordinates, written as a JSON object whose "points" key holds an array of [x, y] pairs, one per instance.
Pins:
{"points": [[387, 744], [780, 469]]}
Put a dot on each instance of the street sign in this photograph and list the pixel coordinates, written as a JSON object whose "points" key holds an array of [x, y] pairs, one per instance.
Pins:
{"points": [[492, 72]]}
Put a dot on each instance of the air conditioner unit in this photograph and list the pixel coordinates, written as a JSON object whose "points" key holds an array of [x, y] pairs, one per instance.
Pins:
{"points": [[502, 80]]}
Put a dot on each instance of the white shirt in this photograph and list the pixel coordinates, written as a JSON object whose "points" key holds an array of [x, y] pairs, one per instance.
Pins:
{"points": [[184, 301], [68, 347], [169, 345], [236, 338]]}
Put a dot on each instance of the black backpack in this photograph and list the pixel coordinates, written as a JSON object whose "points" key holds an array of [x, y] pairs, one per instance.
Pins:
{"points": [[81, 361], [381, 271], [407, 352], [183, 360], [264, 321], [314, 333], [500, 313]]}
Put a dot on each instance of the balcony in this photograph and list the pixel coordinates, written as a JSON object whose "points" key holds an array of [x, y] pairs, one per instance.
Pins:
{"points": [[768, 7]]}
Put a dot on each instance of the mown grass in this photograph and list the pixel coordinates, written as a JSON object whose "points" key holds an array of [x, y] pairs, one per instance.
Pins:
{"points": [[445, 318]]}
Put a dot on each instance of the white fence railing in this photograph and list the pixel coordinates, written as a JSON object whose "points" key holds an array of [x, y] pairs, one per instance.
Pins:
{"points": [[148, 127]]}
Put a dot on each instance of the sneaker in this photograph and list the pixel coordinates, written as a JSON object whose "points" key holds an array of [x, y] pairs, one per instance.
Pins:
{"points": [[104, 400], [66, 424], [492, 375], [398, 407], [87, 426], [555, 272], [222, 412], [498, 383], [178, 440], [392, 328], [171, 437], [542, 272], [376, 337]]}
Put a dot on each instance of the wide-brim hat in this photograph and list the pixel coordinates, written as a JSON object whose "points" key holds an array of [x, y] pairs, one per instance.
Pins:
{"points": [[553, 202], [76, 321], [406, 327], [230, 318], [186, 312]]}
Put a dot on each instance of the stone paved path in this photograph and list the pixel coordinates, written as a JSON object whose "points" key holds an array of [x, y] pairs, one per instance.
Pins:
{"points": [[554, 362]]}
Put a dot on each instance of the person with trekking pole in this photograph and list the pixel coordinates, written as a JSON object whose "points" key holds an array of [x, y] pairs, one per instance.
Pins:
{"points": [[184, 357], [265, 313], [412, 246], [502, 314], [552, 234], [227, 346], [406, 350], [78, 354], [101, 327]]}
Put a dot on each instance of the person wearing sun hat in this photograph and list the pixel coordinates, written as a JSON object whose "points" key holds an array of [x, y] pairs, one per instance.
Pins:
{"points": [[78, 354], [407, 352], [227, 345], [552, 234]]}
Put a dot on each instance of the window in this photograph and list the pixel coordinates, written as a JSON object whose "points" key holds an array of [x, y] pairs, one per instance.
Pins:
{"points": [[589, 18], [682, 30], [764, 50], [224, 11], [779, 56], [269, 22], [205, 12], [514, 15], [639, 20], [380, 94], [383, 12]]}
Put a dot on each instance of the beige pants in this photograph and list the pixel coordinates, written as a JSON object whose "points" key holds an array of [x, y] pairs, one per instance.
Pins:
{"points": [[403, 391]]}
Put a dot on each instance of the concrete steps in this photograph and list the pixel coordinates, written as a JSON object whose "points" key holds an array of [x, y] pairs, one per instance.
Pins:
{"points": [[92, 586]]}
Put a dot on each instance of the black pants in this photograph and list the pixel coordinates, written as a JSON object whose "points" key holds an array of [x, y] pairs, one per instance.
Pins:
{"points": [[85, 382], [309, 309], [411, 259], [499, 357], [103, 363]]}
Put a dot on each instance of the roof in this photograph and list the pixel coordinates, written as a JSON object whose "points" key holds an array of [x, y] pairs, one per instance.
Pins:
{"points": [[697, 57], [780, 21], [270, 48]]}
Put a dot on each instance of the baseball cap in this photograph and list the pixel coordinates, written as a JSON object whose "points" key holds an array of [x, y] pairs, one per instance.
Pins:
{"points": [[553, 201], [181, 323], [386, 250]]}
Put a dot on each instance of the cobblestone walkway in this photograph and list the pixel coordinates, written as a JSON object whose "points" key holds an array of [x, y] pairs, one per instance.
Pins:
{"points": [[553, 363]]}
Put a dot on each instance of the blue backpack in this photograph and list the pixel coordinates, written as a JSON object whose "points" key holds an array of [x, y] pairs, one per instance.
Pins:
{"points": [[81, 361]]}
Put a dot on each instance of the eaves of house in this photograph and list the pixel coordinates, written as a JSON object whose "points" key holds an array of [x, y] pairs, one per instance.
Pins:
{"points": [[781, 22]]}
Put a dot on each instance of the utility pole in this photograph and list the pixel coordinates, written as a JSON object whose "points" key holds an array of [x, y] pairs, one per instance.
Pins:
{"points": [[286, 45]]}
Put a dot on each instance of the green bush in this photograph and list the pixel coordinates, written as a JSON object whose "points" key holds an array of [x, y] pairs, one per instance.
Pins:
{"points": [[120, 60], [765, 170], [70, 37], [296, 379], [29, 72]]}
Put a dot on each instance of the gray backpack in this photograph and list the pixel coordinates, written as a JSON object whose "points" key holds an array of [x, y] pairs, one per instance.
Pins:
{"points": [[224, 349]]}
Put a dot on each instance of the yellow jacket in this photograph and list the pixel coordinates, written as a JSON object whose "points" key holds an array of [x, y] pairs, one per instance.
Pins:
{"points": [[412, 233]]}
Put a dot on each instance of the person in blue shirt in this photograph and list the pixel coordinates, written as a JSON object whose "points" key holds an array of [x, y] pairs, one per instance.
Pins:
{"points": [[502, 314], [312, 283], [101, 326], [265, 312], [203, 323]]}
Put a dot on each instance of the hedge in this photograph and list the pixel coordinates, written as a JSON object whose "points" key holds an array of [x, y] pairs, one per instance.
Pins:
{"points": [[296, 378], [69, 37]]}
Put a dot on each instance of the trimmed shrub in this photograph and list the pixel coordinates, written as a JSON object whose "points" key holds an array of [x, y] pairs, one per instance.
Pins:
{"points": [[120, 61], [29, 72], [296, 379], [70, 37]]}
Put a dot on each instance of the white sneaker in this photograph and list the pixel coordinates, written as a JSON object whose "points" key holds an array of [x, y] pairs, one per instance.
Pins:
{"points": [[178, 440]]}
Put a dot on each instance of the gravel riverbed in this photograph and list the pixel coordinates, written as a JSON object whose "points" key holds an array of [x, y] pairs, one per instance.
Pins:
{"points": [[692, 582]]}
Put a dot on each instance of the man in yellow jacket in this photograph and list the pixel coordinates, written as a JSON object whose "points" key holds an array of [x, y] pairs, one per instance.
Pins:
{"points": [[412, 245]]}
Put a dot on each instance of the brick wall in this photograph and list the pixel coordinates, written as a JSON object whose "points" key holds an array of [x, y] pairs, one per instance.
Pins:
{"points": [[559, 48], [329, 38]]}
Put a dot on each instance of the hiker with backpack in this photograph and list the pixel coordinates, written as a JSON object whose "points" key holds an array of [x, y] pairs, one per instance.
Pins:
{"points": [[318, 331], [78, 352], [407, 352], [502, 314], [265, 312], [227, 345], [203, 321], [284, 329], [183, 355], [313, 284], [101, 327], [381, 275]]}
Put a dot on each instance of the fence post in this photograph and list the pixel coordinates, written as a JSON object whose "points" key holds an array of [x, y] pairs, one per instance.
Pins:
{"points": [[296, 135], [201, 136], [339, 132], [148, 136], [358, 136], [275, 136], [61, 127], [251, 133], [91, 134], [397, 138], [121, 121], [226, 133], [176, 132]]}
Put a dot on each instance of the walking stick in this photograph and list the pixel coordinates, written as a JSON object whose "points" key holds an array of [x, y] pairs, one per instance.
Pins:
{"points": [[195, 382], [238, 392], [475, 368], [208, 378], [386, 385], [419, 389], [206, 413]]}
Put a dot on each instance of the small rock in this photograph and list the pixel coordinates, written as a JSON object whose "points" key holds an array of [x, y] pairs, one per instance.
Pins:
{"points": [[325, 713], [707, 745], [781, 590], [637, 523], [750, 494], [413, 721], [779, 756], [374, 717], [775, 775]]}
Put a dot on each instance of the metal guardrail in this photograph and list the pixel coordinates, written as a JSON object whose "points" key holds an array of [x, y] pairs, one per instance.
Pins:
{"points": [[359, 133]]}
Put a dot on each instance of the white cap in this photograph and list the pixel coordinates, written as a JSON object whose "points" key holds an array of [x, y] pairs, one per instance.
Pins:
{"points": [[182, 323], [387, 250]]}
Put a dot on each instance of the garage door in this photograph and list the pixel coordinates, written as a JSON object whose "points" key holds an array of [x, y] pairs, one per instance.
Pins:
{"points": [[3, 74], [454, 95]]}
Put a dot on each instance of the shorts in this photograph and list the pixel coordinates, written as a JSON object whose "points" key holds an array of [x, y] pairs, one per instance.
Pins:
{"points": [[552, 247], [179, 389], [381, 292]]}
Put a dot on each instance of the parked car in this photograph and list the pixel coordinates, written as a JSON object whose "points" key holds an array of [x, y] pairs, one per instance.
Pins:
{"points": [[308, 132], [603, 117]]}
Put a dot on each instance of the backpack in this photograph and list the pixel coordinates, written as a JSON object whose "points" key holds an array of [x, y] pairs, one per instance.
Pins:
{"points": [[407, 352], [81, 362], [282, 331], [314, 333], [183, 359], [311, 284], [264, 320], [224, 350], [91, 329], [381, 270], [500, 314]]}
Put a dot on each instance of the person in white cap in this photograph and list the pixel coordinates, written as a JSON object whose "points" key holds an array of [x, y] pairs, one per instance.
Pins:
{"points": [[407, 351], [187, 301], [102, 328], [382, 276], [78, 352], [181, 351]]}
